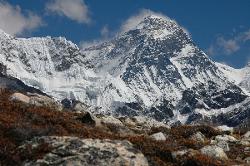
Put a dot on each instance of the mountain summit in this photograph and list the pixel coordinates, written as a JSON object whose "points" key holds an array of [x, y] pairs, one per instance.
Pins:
{"points": [[153, 69]]}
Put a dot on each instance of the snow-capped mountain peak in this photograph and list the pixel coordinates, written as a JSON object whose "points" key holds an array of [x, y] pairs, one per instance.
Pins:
{"points": [[152, 69], [156, 26]]}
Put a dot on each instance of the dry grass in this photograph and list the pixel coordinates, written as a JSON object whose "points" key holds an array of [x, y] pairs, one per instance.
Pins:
{"points": [[19, 123]]}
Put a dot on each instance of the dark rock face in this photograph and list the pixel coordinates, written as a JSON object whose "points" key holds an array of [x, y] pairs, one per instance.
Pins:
{"points": [[211, 96], [135, 106], [162, 111], [126, 111], [14, 84], [236, 117], [3, 69]]}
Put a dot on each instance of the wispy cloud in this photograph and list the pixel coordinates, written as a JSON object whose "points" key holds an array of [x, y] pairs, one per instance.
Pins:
{"points": [[105, 32], [135, 19], [228, 46], [75, 10], [15, 22]]}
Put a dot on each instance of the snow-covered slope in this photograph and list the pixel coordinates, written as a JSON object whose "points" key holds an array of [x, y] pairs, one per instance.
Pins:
{"points": [[153, 69], [240, 77]]}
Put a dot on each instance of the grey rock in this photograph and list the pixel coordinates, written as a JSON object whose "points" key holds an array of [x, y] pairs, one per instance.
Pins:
{"points": [[226, 138], [214, 152], [247, 135]]}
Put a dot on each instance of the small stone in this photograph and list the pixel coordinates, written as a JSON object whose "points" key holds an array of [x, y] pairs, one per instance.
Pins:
{"points": [[158, 136], [247, 149], [247, 135], [179, 153], [247, 160]]}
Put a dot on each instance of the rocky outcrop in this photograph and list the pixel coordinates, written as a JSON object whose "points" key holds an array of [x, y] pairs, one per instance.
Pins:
{"points": [[92, 152]]}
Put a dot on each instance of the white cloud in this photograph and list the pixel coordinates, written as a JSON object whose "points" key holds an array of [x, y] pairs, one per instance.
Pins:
{"points": [[246, 36], [14, 22], [75, 10], [228, 46], [87, 44], [105, 32]]}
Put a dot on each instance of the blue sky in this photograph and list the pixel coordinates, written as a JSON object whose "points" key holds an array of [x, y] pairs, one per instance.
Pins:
{"points": [[219, 27]]}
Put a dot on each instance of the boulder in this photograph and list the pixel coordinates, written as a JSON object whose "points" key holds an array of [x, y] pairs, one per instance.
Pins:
{"points": [[20, 97], [158, 136], [86, 118], [214, 151], [198, 137], [179, 153], [69, 151], [227, 138], [110, 120]]}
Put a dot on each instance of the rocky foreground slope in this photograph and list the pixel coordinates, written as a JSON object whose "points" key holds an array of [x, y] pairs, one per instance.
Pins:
{"points": [[36, 130]]}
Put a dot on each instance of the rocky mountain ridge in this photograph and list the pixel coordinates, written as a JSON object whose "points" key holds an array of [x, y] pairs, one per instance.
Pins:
{"points": [[153, 70]]}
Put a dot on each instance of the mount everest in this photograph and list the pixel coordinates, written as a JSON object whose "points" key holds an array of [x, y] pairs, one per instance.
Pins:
{"points": [[154, 69]]}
